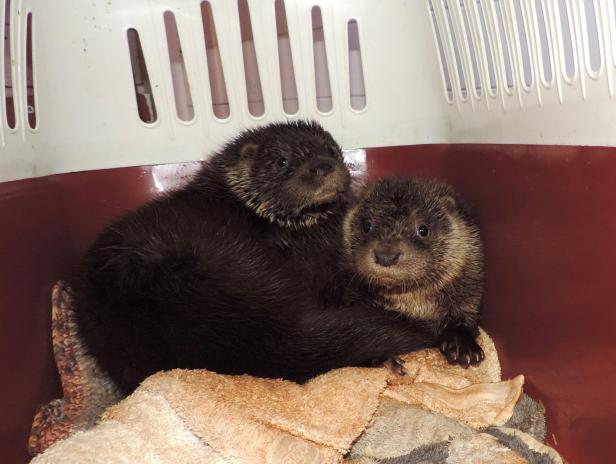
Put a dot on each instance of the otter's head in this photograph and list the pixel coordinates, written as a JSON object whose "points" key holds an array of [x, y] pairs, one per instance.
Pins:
{"points": [[409, 234], [289, 173]]}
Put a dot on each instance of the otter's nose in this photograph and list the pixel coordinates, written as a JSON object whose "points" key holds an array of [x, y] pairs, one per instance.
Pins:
{"points": [[386, 259], [321, 168]]}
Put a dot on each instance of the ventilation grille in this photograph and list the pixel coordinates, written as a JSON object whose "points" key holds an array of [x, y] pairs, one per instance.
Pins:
{"points": [[17, 71], [8, 99], [101, 84], [220, 77], [509, 48]]}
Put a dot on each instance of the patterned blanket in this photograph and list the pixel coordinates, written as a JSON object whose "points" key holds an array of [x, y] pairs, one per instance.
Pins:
{"points": [[437, 413]]}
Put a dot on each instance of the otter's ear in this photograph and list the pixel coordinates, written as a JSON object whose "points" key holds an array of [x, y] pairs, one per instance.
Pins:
{"points": [[248, 151], [357, 189], [362, 189], [450, 204]]}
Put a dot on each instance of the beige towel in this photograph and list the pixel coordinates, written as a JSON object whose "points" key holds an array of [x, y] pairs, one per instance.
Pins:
{"points": [[199, 416], [186, 416]]}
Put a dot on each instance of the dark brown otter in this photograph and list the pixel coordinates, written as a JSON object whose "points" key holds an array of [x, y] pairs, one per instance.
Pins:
{"points": [[416, 247], [235, 272]]}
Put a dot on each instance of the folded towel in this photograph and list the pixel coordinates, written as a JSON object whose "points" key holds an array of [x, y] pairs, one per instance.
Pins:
{"points": [[437, 413]]}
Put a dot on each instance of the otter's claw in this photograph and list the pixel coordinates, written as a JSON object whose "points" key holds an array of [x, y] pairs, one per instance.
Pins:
{"points": [[459, 347], [395, 365]]}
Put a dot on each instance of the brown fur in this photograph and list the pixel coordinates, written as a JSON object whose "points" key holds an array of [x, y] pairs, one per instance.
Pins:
{"points": [[293, 201], [437, 278], [233, 273]]}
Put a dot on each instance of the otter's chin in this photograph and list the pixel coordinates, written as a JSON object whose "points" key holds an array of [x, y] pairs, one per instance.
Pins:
{"points": [[379, 277], [321, 204], [386, 285], [328, 197], [385, 282], [336, 184], [391, 279]]}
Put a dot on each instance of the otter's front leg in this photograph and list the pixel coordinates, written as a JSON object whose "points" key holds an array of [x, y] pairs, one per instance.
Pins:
{"points": [[458, 345], [326, 339]]}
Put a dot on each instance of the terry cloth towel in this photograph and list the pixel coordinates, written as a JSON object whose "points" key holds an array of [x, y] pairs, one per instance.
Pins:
{"points": [[437, 413]]}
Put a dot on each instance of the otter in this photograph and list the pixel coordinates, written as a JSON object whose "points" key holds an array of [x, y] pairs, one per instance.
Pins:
{"points": [[235, 272], [415, 245]]}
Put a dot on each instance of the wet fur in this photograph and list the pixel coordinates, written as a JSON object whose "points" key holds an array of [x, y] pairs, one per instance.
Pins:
{"points": [[234, 273], [442, 284]]}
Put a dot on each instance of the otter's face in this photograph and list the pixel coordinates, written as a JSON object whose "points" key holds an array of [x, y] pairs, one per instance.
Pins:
{"points": [[293, 175], [399, 235]]}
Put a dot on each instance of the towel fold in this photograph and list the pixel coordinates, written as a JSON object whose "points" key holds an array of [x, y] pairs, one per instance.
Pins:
{"points": [[437, 413]]}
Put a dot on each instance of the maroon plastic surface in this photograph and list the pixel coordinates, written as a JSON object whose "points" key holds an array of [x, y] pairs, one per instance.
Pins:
{"points": [[45, 224], [548, 223]]}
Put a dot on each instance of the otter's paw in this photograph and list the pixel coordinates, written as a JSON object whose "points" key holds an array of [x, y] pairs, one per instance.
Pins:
{"points": [[395, 365], [459, 347]]}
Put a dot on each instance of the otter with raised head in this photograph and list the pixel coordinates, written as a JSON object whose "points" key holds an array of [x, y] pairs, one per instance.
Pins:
{"points": [[416, 247], [235, 271]]}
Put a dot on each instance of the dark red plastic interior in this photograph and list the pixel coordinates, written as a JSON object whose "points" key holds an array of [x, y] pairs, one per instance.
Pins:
{"points": [[548, 223]]}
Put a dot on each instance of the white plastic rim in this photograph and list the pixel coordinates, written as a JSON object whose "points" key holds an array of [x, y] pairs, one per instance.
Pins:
{"points": [[87, 114]]}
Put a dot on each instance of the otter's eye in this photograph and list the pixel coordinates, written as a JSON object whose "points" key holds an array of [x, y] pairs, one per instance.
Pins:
{"points": [[283, 162], [423, 230], [366, 226]]}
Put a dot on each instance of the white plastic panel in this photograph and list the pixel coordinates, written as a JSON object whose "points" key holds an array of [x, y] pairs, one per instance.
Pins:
{"points": [[563, 78], [493, 88]]}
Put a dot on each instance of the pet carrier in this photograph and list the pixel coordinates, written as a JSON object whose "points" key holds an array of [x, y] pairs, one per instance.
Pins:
{"points": [[107, 103]]}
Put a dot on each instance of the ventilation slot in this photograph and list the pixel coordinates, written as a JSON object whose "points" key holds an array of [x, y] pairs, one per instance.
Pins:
{"points": [[256, 107], [441, 52], [181, 88], [472, 50], [546, 58], [8, 77], [321, 68], [143, 89], [356, 71], [502, 30], [488, 49], [568, 62], [524, 51], [593, 45], [613, 28], [218, 90], [30, 89], [456, 50], [290, 103]]}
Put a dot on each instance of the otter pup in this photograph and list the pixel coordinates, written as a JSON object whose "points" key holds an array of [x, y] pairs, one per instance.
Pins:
{"points": [[416, 247], [234, 271]]}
